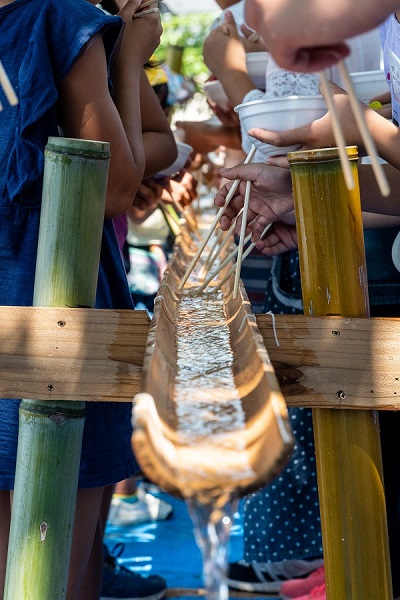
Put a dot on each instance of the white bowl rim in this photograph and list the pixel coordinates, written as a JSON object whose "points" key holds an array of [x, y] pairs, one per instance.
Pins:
{"points": [[258, 55], [363, 73], [276, 100]]}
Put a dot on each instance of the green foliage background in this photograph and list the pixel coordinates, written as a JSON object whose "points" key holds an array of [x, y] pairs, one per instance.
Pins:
{"points": [[188, 31]]}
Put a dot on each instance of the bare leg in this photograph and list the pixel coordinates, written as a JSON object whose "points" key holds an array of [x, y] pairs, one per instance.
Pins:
{"points": [[127, 487], [5, 512], [85, 571]]}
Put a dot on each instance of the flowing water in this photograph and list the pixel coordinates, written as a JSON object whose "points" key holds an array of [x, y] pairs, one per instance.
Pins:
{"points": [[208, 406]]}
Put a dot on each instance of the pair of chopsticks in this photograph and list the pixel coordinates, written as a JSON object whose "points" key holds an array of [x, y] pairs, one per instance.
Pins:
{"points": [[228, 198], [362, 126], [7, 88], [143, 13]]}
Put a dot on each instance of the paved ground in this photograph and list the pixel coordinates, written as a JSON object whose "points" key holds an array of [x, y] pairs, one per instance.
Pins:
{"points": [[168, 548]]}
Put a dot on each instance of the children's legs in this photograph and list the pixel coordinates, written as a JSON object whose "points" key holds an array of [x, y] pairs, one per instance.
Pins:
{"points": [[85, 571], [5, 513]]}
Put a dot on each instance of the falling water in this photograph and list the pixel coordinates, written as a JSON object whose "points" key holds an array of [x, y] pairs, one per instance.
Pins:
{"points": [[208, 404]]}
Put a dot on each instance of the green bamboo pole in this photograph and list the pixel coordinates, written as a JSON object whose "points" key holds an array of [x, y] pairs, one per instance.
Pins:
{"points": [[350, 481], [50, 432]]}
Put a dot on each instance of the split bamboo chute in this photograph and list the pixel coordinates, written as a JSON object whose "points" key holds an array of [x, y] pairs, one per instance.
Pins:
{"points": [[210, 416]]}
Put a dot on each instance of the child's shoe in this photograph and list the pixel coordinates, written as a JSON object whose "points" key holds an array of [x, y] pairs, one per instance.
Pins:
{"points": [[303, 585]]}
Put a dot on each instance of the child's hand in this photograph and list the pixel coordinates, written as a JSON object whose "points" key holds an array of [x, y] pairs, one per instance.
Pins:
{"points": [[280, 238], [228, 116], [145, 201], [223, 49], [142, 34], [252, 40]]}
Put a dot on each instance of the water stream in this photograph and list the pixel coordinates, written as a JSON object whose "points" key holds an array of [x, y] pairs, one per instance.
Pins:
{"points": [[208, 406]]}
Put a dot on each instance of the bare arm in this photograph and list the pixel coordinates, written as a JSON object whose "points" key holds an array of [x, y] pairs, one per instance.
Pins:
{"points": [[225, 56], [309, 35], [158, 140], [88, 112]]}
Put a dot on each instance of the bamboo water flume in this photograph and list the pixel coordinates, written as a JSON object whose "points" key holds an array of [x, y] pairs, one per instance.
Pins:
{"points": [[334, 282], [50, 436]]}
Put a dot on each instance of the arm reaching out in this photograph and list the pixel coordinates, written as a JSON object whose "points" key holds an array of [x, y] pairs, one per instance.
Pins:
{"points": [[310, 35]]}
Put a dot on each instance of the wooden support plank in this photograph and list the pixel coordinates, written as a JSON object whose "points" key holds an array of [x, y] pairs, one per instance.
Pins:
{"points": [[98, 354], [335, 362], [80, 354]]}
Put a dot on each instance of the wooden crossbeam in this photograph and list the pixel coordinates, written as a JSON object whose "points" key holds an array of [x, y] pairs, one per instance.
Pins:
{"points": [[91, 354], [71, 354], [334, 361]]}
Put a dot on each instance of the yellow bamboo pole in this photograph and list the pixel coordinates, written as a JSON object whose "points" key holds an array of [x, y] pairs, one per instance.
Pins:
{"points": [[334, 282], [50, 433]]}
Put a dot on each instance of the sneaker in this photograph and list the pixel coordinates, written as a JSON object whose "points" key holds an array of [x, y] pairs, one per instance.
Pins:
{"points": [[317, 593], [267, 577], [119, 582], [145, 508], [303, 585]]}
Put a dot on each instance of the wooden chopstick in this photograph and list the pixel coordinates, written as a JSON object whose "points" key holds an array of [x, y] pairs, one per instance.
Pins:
{"points": [[337, 131], [7, 87], [362, 126], [226, 260], [369, 143], [242, 239], [228, 198], [245, 255]]}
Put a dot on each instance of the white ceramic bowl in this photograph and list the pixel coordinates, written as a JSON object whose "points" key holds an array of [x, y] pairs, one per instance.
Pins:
{"points": [[369, 84], [214, 91], [184, 151], [256, 63]]}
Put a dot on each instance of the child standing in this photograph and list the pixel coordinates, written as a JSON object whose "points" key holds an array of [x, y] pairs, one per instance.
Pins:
{"points": [[57, 56]]}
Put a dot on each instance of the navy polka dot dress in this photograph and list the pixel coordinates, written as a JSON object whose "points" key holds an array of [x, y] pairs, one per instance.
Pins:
{"points": [[282, 521]]}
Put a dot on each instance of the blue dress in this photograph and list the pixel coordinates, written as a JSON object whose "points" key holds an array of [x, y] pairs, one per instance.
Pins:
{"points": [[39, 42]]}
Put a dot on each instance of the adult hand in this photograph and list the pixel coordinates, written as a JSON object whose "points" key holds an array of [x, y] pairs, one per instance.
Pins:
{"points": [[270, 196], [310, 35]]}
